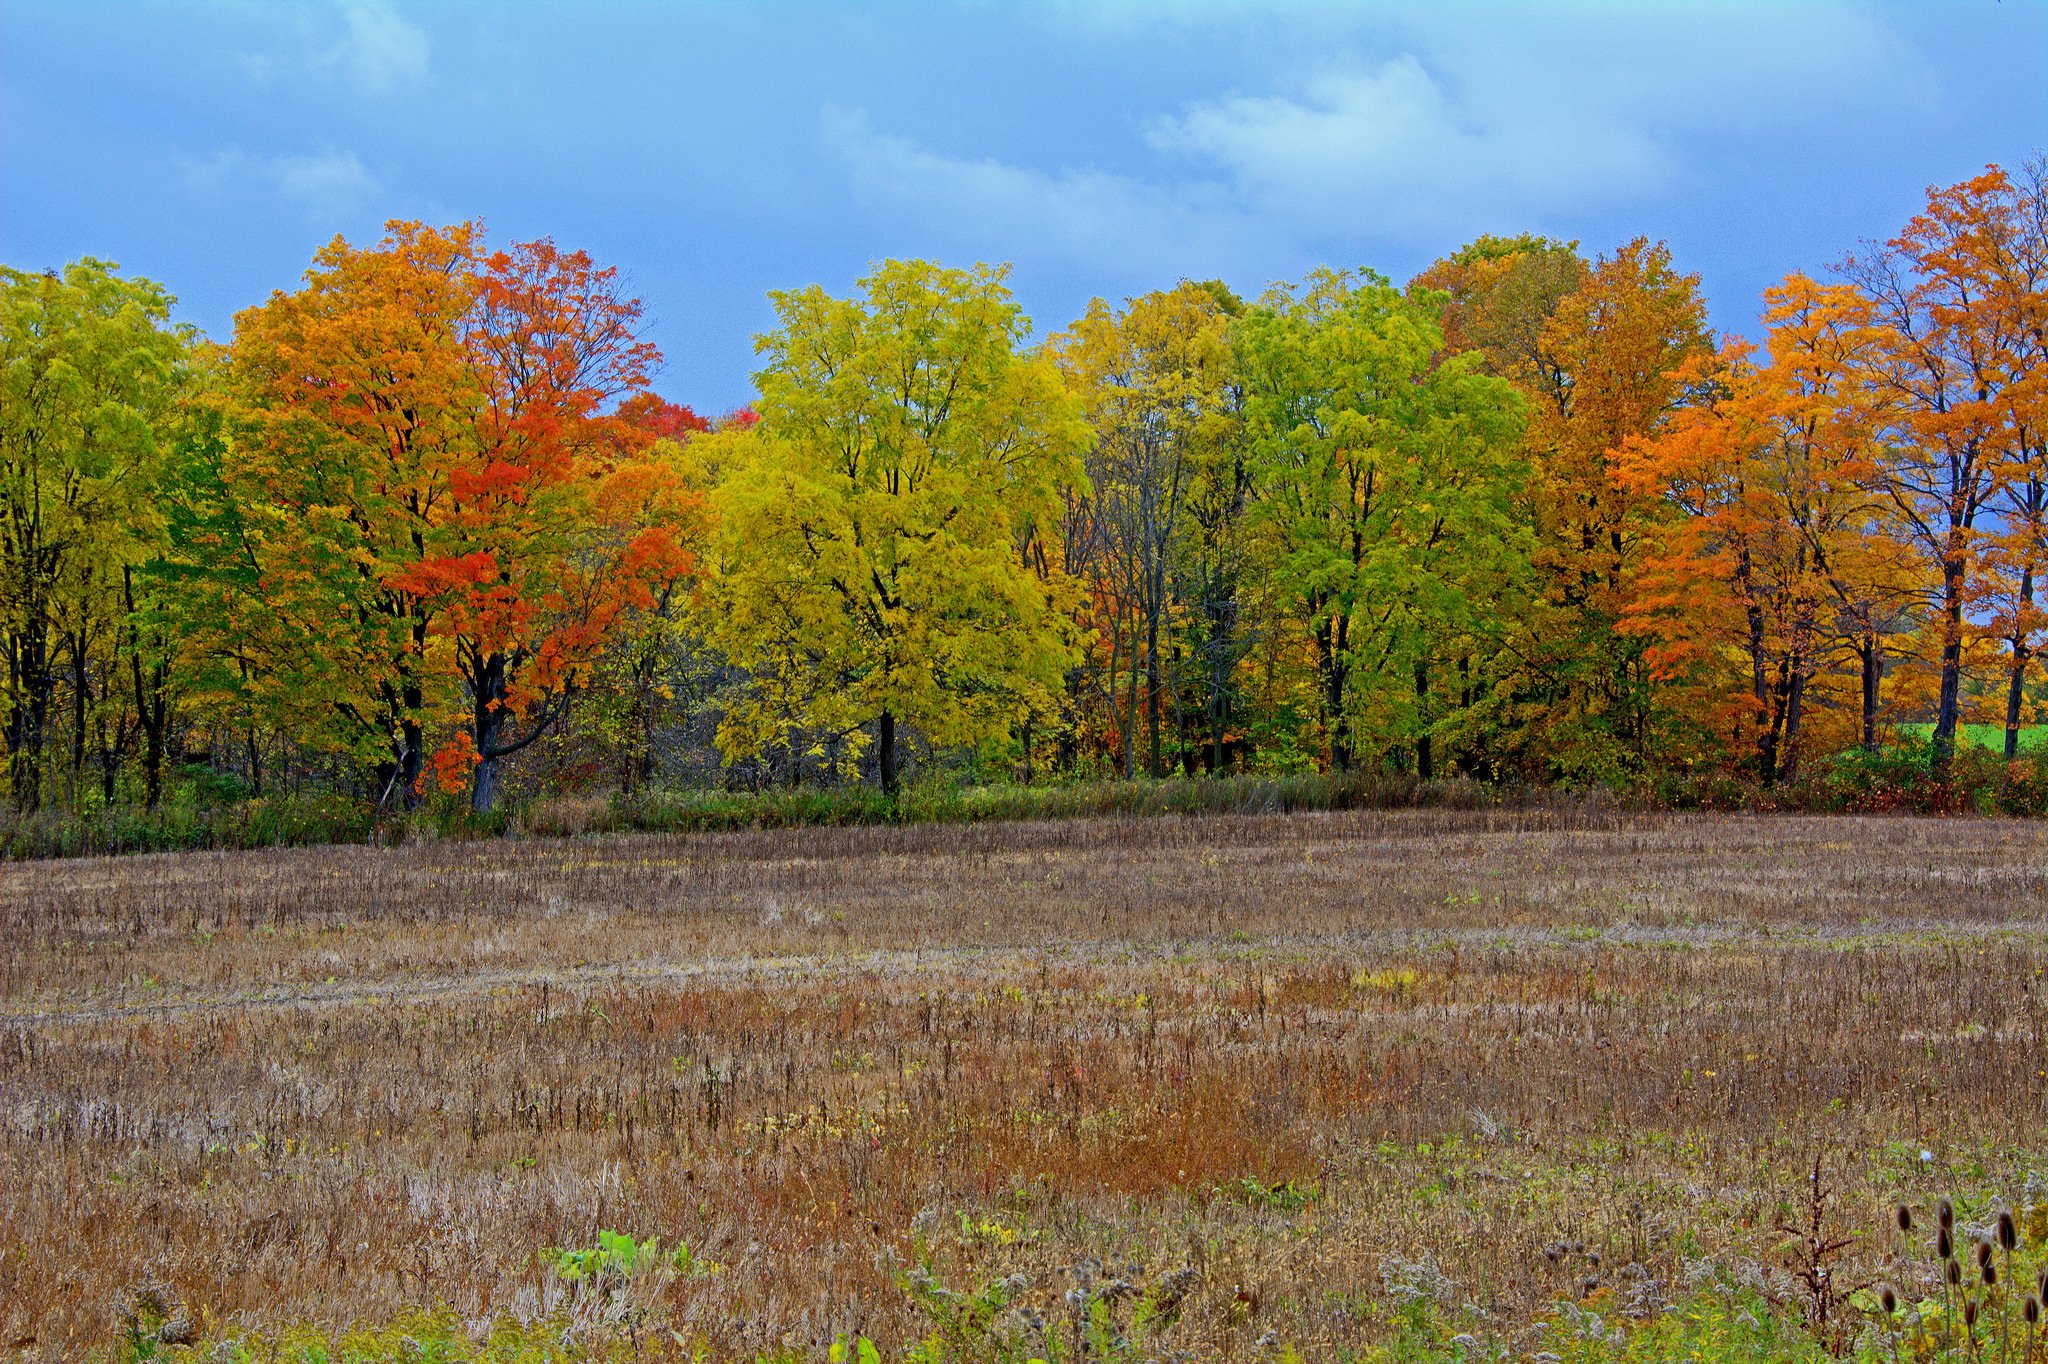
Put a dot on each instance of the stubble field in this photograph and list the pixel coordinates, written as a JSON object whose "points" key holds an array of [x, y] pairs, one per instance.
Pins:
{"points": [[1231, 1085]]}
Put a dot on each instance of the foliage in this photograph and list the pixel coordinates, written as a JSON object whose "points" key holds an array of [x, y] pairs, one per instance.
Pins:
{"points": [[422, 535], [881, 558], [427, 414], [617, 1256], [91, 371], [1385, 481]]}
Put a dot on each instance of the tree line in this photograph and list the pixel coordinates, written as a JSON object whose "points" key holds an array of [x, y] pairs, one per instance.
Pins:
{"points": [[422, 526]]}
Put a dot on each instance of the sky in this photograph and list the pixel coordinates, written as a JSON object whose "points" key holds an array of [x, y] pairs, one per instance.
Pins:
{"points": [[713, 152]]}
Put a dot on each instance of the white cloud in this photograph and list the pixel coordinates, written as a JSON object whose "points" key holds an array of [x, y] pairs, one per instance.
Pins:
{"points": [[365, 43], [1390, 151], [379, 50], [1084, 215], [324, 185], [1415, 127]]}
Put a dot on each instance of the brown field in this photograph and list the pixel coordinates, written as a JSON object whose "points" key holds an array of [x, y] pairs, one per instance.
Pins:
{"points": [[1327, 1061]]}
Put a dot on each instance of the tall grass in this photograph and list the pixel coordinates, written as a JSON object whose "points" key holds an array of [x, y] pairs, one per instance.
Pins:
{"points": [[1374, 1075]]}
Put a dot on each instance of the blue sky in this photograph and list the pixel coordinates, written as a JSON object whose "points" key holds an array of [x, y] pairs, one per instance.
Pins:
{"points": [[713, 152]]}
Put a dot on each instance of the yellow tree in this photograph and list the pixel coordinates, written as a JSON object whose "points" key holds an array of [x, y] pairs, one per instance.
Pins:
{"points": [[877, 530], [1607, 371], [1155, 378]]}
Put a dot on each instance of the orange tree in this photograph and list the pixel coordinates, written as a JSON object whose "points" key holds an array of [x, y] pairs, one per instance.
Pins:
{"points": [[445, 517], [1779, 561], [1958, 299]]}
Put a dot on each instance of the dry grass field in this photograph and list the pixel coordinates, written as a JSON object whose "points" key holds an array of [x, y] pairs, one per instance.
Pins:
{"points": [[1233, 1085]]}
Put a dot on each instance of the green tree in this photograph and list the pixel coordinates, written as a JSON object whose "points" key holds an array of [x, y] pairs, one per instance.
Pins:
{"points": [[1386, 485], [91, 370], [878, 529]]}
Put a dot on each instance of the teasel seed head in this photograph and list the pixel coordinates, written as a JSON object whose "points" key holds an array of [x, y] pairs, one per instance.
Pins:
{"points": [[1946, 1212], [1905, 1218], [2044, 1285], [1944, 1245], [2008, 1231], [1970, 1312], [1983, 1252], [1955, 1272], [1889, 1300], [2032, 1311], [1990, 1273]]}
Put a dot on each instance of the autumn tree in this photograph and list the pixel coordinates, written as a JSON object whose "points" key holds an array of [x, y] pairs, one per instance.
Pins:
{"points": [[876, 530], [207, 601], [2014, 244], [1494, 297], [1154, 377], [1385, 484], [1959, 309], [641, 691], [1606, 372], [91, 369], [1779, 557], [445, 498], [1214, 585]]}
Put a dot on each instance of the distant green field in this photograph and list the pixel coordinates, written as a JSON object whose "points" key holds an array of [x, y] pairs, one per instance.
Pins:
{"points": [[2032, 737]]}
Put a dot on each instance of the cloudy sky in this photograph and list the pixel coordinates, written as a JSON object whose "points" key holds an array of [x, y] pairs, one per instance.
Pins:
{"points": [[715, 151]]}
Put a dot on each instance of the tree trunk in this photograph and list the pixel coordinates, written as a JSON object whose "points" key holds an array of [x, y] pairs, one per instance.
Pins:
{"points": [[1795, 708], [1216, 676], [152, 714], [28, 656], [483, 792], [1949, 711], [1768, 730], [885, 741], [80, 700], [1330, 642], [488, 717], [2016, 670], [1425, 766], [1871, 656], [1152, 766]]}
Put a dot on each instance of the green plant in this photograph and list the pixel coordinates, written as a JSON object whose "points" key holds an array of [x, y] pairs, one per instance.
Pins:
{"points": [[1286, 1195], [617, 1257]]}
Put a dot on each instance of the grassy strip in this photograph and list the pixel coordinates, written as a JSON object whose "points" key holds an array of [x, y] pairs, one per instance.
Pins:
{"points": [[1991, 738], [1895, 780], [294, 821]]}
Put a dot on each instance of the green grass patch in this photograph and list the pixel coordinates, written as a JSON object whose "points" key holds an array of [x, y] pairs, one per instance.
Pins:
{"points": [[1991, 738]]}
